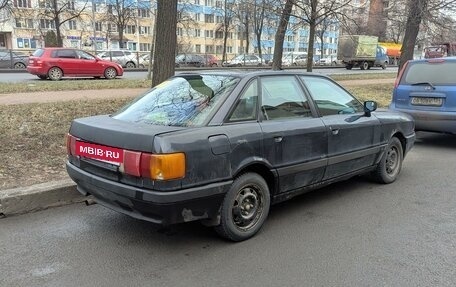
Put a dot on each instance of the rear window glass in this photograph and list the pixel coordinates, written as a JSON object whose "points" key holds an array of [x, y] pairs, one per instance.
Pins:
{"points": [[434, 73], [38, 53], [181, 101]]}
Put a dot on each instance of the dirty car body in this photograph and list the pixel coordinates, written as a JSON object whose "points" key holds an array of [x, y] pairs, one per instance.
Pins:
{"points": [[223, 147]]}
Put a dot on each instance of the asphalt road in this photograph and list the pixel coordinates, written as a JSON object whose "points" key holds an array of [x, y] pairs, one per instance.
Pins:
{"points": [[354, 233], [25, 77]]}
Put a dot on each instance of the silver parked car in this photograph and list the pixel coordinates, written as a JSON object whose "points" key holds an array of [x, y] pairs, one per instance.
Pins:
{"points": [[125, 58], [14, 60], [244, 60]]}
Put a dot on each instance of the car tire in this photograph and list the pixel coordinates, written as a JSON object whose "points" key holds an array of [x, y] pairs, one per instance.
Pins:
{"points": [[390, 164], [130, 65], [110, 73], [43, 77], [55, 73], [384, 65], [364, 65], [19, 65], [214, 65], [244, 208], [349, 67]]}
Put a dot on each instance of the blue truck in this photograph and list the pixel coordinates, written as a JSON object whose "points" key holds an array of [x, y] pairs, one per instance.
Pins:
{"points": [[361, 51]]}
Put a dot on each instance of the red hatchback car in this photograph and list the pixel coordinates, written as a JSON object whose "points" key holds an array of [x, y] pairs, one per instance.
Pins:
{"points": [[55, 63]]}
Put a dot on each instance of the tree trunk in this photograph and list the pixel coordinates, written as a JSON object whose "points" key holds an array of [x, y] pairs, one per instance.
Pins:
{"points": [[225, 32], [376, 23], [120, 29], [165, 41], [280, 35], [416, 8], [247, 31], [312, 28], [57, 23]]}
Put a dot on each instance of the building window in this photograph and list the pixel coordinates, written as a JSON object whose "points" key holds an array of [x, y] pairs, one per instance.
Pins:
{"points": [[130, 29], [290, 38], [70, 5], [144, 46], [112, 28], [208, 18], [24, 23], [26, 43], [218, 4], [143, 13], [197, 48], [209, 49], [44, 4], [197, 17], [180, 31], [72, 25], [98, 26], [22, 3], [219, 34], [197, 2], [144, 30], [209, 2], [229, 49], [47, 24], [209, 34], [219, 19], [197, 33], [219, 49]]}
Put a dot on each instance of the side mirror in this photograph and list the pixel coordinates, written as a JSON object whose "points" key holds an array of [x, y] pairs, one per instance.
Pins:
{"points": [[369, 107]]}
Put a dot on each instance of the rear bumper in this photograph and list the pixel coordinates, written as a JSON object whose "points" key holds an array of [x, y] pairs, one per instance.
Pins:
{"points": [[155, 206], [432, 121], [37, 70]]}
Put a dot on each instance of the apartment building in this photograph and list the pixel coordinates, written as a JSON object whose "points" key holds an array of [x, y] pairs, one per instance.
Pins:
{"points": [[200, 28]]}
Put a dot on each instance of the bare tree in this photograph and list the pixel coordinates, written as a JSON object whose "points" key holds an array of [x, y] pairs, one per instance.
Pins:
{"points": [[121, 13], [376, 23], [227, 22], [165, 41], [60, 12], [5, 4], [243, 14], [314, 12], [280, 34]]}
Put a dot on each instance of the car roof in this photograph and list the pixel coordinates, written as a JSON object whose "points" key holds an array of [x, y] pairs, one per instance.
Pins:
{"points": [[252, 74], [453, 58]]}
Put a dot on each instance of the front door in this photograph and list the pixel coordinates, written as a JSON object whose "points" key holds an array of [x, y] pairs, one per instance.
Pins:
{"points": [[294, 139], [353, 138]]}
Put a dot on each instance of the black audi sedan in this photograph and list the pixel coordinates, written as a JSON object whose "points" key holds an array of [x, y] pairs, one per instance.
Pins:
{"points": [[223, 147]]}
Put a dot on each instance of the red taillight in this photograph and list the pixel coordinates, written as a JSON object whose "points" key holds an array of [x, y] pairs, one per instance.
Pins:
{"points": [[70, 144], [132, 163], [399, 77]]}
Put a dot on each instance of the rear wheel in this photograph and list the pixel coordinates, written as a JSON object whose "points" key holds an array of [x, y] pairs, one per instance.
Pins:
{"points": [[55, 74], [19, 66], [348, 67], [364, 65], [384, 65], [130, 65], [245, 208], [110, 73], [390, 165]]}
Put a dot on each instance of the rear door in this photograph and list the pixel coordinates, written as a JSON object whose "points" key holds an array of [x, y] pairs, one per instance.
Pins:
{"points": [[427, 86], [5, 59], [67, 60], [294, 138], [353, 139]]}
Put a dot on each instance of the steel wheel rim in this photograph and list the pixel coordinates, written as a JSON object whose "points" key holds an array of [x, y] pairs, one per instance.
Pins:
{"points": [[19, 66], [55, 73], [247, 207], [130, 65], [392, 160]]}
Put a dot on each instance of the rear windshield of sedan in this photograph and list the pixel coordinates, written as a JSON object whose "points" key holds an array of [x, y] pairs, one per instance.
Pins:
{"points": [[442, 73], [38, 53], [181, 101]]}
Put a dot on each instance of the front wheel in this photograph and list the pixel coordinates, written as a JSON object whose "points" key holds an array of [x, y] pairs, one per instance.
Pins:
{"points": [[19, 65], [130, 65], [384, 65], [390, 165], [110, 73], [245, 208]]}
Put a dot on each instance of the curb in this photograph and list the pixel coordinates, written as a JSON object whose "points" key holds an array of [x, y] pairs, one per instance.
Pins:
{"points": [[39, 196]]}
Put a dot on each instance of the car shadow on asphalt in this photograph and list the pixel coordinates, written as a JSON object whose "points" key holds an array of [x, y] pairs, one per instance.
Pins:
{"points": [[436, 140]]}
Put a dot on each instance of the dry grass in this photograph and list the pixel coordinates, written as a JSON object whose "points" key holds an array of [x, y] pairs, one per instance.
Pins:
{"points": [[32, 148], [72, 84], [365, 76]]}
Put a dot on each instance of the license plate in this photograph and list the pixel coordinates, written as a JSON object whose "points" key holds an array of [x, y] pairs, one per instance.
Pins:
{"points": [[99, 152], [426, 101]]}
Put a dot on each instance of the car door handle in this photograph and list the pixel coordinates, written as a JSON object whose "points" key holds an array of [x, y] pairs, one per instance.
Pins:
{"points": [[278, 139], [334, 131]]}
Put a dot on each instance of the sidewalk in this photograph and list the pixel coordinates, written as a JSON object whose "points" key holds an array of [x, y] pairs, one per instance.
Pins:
{"points": [[45, 195]]}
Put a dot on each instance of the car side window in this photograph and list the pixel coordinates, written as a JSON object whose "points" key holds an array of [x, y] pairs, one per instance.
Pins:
{"points": [[246, 105], [282, 97], [66, 54], [330, 98], [84, 55], [117, 54]]}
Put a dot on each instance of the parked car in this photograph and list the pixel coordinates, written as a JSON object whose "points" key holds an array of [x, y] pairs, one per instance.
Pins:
{"points": [[144, 60], [330, 60], [15, 60], [189, 60], [244, 60], [426, 90], [125, 58], [294, 59], [210, 60], [223, 147], [56, 63]]}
